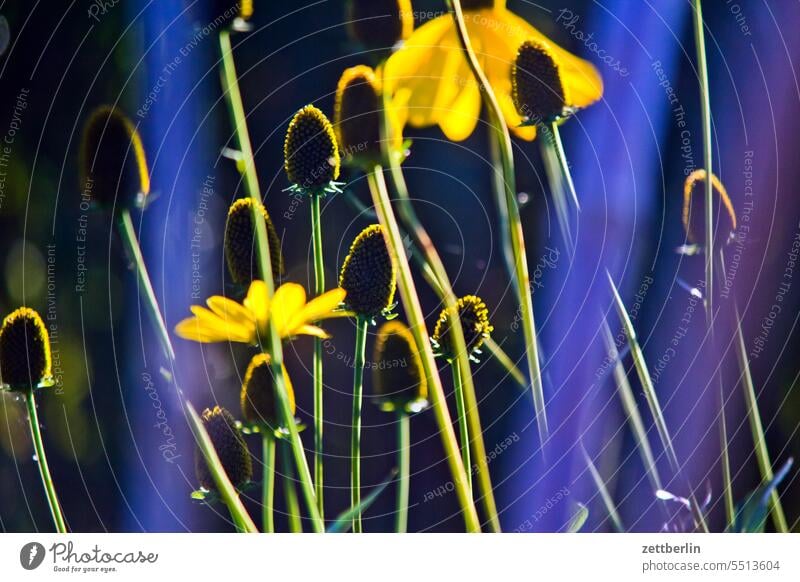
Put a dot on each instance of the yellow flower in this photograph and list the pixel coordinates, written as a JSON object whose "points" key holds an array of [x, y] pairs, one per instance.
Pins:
{"points": [[246, 322], [431, 78]]}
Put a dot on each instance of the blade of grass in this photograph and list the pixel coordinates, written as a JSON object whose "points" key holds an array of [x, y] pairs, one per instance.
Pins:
{"points": [[404, 466], [345, 519], [289, 492], [608, 501], [759, 439], [652, 398], [319, 289], [268, 488]]}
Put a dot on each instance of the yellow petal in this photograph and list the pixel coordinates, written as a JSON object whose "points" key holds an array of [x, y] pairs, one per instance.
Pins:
{"points": [[288, 301], [311, 330], [197, 329], [459, 122], [258, 303], [229, 310], [319, 308], [227, 330]]}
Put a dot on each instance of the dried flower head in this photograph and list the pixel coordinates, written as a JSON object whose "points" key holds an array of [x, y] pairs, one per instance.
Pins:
{"points": [[694, 210], [380, 24], [474, 316], [398, 376], [310, 152], [231, 450], [368, 274], [258, 398], [536, 86], [240, 252], [113, 162], [24, 351]]}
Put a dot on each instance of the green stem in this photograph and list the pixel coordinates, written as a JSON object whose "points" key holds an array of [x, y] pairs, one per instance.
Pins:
{"points": [[501, 134], [563, 164], [44, 468], [404, 464], [272, 343], [408, 294], [221, 480], [268, 485], [463, 428], [355, 426], [504, 360], [289, 493], [499, 190], [319, 289], [436, 274]]}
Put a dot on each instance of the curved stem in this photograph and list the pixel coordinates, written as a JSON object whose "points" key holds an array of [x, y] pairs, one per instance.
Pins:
{"points": [[404, 465], [522, 279], [44, 468], [408, 294], [268, 485], [355, 426], [319, 289], [463, 428], [289, 493], [562, 162]]}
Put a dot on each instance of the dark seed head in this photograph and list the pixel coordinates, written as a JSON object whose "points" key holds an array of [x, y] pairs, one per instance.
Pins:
{"points": [[113, 162], [694, 209], [481, 4], [536, 84], [380, 24], [357, 115], [231, 450], [368, 274], [311, 155], [240, 251], [258, 398], [474, 318], [24, 350], [398, 377]]}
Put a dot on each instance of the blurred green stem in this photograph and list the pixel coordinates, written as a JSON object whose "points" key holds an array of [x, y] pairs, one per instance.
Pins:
{"points": [[462, 421], [44, 468], [404, 465], [319, 289], [514, 226], [408, 294], [268, 485], [355, 426], [289, 493]]}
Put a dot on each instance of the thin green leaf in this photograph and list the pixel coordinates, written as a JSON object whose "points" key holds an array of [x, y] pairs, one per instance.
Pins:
{"points": [[608, 501], [751, 516], [578, 518], [345, 519]]}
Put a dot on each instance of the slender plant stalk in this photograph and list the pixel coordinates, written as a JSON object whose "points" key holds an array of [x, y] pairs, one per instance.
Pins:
{"points": [[319, 289], [608, 501], [272, 343], [44, 468], [501, 134], [408, 294], [268, 485], [652, 400], [355, 425], [727, 483], [440, 283], [555, 179], [221, 480], [505, 361], [289, 493], [759, 439], [499, 191], [463, 427], [404, 465]]}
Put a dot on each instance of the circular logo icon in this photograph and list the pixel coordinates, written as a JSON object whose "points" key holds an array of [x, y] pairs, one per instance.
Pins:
{"points": [[31, 555]]}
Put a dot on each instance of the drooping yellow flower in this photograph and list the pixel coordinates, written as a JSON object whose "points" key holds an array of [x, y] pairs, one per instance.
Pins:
{"points": [[430, 75], [246, 322]]}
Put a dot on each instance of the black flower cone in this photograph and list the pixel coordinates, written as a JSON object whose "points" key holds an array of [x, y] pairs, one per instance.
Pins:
{"points": [[240, 254], [474, 317], [368, 274], [231, 450], [536, 85], [258, 399], [25, 361], [114, 170], [380, 24], [310, 151], [398, 378]]}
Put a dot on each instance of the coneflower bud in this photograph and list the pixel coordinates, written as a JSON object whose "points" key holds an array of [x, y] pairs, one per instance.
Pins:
{"points": [[475, 324], [231, 450], [357, 115], [368, 274], [536, 84], [24, 350], [113, 162], [380, 24], [240, 252], [258, 399], [694, 209], [310, 151], [398, 377]]}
